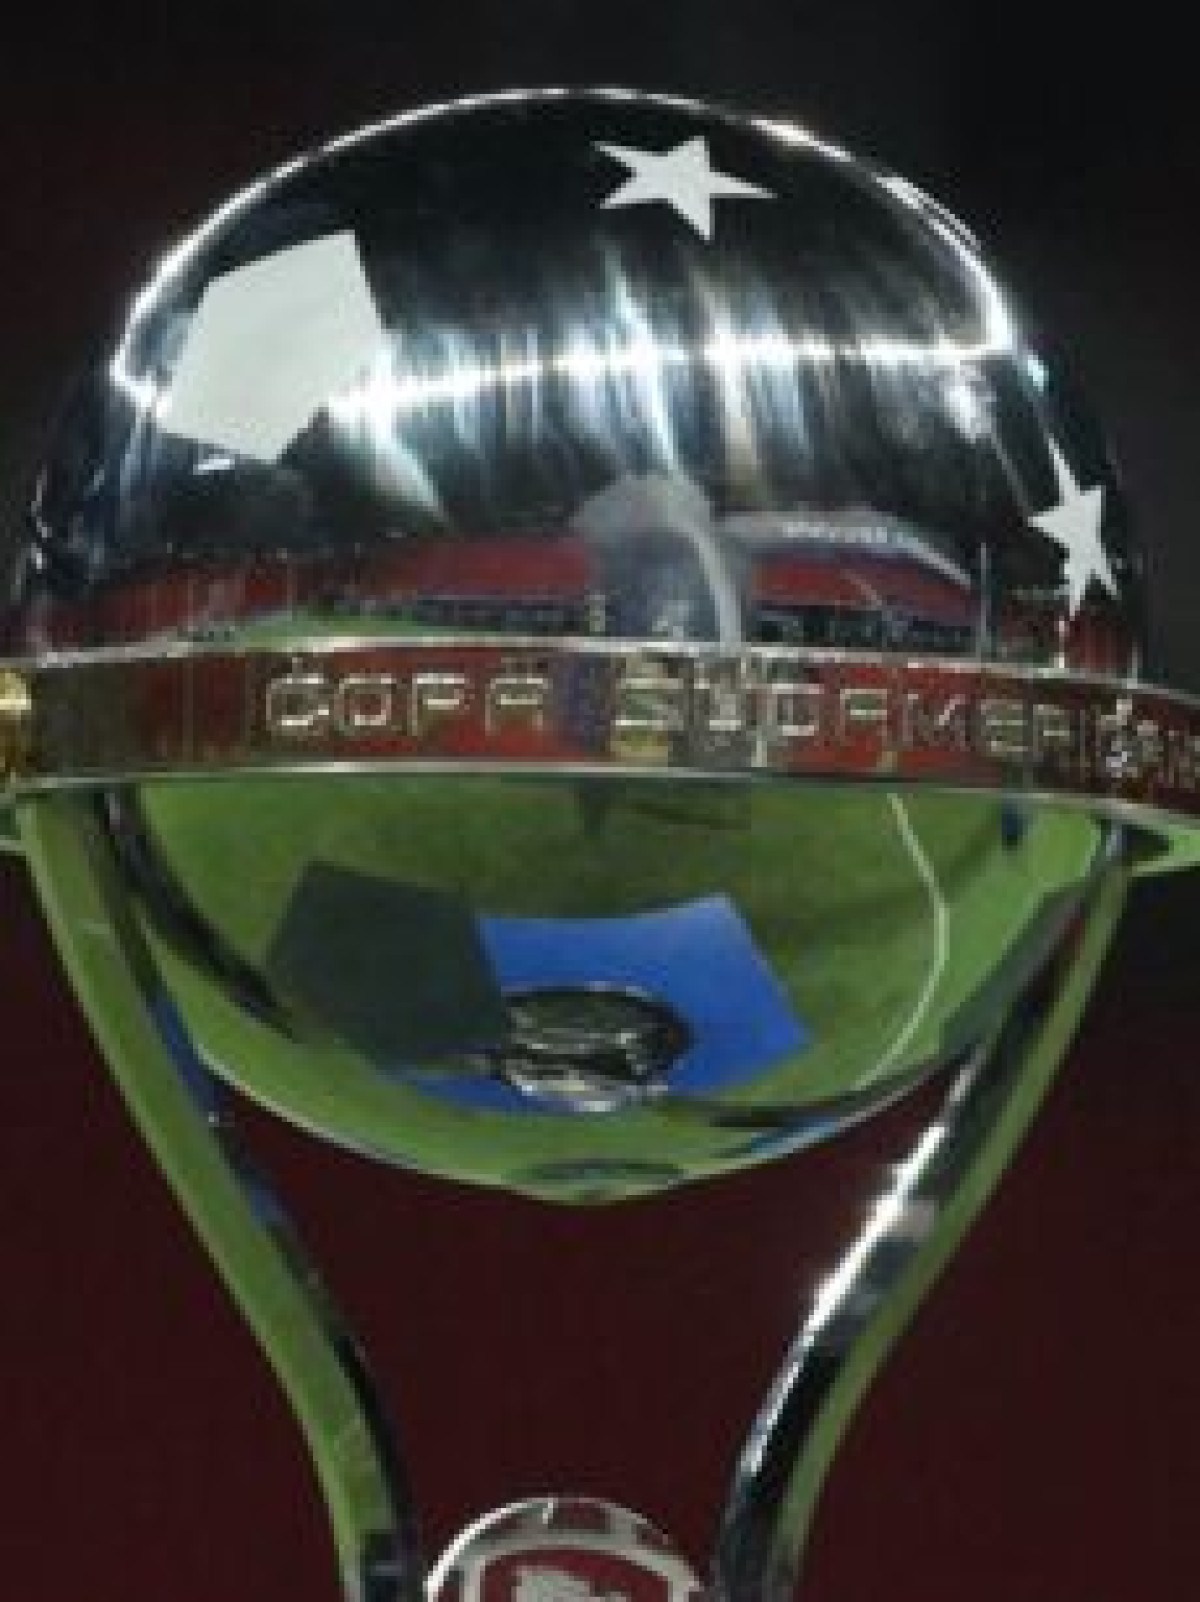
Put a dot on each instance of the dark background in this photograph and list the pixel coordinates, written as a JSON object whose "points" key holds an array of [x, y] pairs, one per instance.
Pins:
{"points": [[1037, 1437]]}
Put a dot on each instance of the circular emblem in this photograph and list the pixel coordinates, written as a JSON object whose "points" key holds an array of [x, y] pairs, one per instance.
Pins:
{"points": [[563, 1549]]}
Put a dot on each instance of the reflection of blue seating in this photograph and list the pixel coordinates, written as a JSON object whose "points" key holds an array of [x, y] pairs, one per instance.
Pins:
{"points": [[697, 959]]}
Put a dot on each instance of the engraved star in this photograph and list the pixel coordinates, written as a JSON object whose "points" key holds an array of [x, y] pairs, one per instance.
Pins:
{"points": [[1074, 523], [682, 178]]}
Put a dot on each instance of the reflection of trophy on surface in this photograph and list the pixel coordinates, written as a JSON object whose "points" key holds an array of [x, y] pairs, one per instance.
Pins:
{"points": [[574, 645]]}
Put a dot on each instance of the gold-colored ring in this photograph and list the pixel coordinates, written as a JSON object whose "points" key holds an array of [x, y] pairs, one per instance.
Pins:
{"points": [[1127, 750], [16, 723]]}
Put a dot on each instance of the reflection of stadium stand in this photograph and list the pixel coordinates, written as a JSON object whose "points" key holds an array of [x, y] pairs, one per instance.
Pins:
{"points": [[859, 602], [854, 582], [520, 585], [856, 579], [538, 586]]}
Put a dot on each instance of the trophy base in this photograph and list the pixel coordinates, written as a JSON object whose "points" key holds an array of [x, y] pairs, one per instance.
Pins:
{"points": [[563, 1549]]}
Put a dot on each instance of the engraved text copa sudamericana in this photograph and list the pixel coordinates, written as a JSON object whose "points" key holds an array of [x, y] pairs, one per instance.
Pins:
{"points": [[756, 704]]}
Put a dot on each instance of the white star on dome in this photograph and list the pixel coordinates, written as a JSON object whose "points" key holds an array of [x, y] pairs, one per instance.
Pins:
{"points": [[682, 178], [1074, 524]]}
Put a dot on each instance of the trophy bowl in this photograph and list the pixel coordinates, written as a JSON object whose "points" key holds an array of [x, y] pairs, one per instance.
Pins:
{"points": [[576, 642]]}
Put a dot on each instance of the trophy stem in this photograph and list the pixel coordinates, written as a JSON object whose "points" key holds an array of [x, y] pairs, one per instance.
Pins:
{"points": [[855, 1316], [913, 1230], [179, 1111]]}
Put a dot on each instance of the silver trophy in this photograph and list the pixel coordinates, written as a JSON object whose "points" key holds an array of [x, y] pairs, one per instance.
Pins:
{"points": [[575, 642]]}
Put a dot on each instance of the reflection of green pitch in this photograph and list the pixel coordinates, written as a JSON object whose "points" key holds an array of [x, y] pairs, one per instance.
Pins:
{"points": [[880, 916]]}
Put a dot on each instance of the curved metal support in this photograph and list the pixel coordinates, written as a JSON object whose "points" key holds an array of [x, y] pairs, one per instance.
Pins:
{"points": [[856, 1315], [911, 1233], [183, 1116]]}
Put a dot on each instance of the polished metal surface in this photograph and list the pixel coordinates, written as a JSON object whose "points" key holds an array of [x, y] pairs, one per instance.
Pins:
{"points": [[577, 642], [596, 364], [563, 1549], [585, 470], [914, 1224], [922, 1209], [329, 704], [188, 1123]]}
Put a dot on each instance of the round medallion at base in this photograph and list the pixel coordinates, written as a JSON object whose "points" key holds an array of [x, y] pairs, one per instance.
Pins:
{"points": [[563, 1549]]}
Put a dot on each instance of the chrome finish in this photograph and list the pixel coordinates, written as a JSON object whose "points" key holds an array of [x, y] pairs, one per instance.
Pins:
{"points": [[457, 370], [350, 705], [665, 568], [563, 1549], [911, 1230], [913, 1227], [184, 1116]]}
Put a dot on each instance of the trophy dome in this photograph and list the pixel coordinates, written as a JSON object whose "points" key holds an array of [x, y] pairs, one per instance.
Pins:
{"points": [[576, 375]]}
